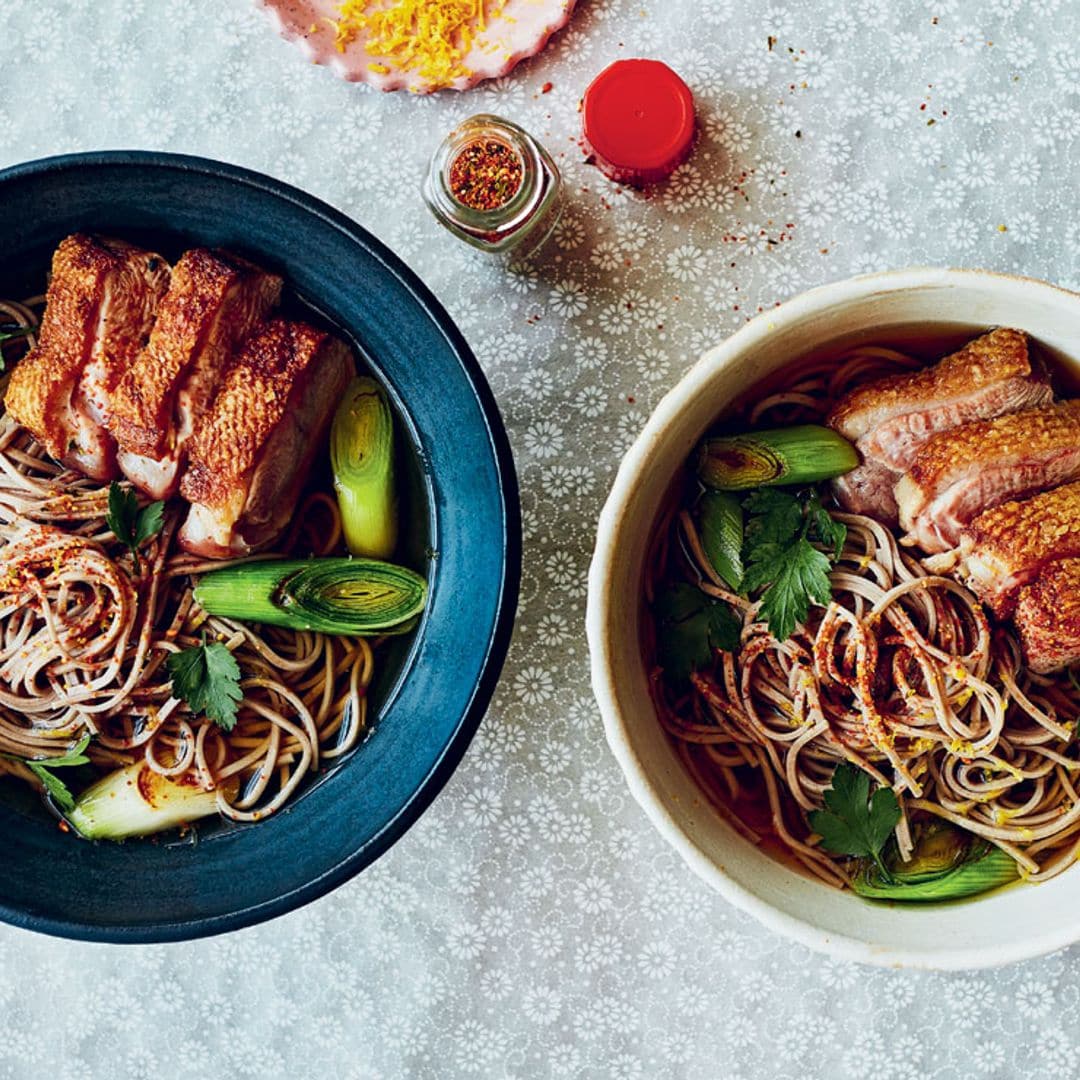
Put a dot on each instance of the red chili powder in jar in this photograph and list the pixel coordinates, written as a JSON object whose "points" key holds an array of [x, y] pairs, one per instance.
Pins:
{"points": [[485, 175]]}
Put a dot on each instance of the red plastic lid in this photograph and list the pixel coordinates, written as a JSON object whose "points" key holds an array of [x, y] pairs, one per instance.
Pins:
{"points": [[638, 121]]}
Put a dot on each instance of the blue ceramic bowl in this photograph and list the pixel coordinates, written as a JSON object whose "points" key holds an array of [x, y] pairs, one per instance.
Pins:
{"points": [[464, 528]]}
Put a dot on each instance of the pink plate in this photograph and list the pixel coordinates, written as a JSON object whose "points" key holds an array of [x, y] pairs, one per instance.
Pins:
{"points": [[520, 31]]}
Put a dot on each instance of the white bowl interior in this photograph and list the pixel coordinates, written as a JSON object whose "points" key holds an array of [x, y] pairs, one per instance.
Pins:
{"points": [[1015, 922]]}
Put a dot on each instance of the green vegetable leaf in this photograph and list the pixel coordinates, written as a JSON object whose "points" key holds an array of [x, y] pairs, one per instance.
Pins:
{"points": [[123, 507], [777, 517], [800, 576], [72, 757], [825, 527], [781, 560], [130, 525], [692, 626], [52, 784], [721, 528], [679, 602], [149, 522], [853, 822], [207, 677]]}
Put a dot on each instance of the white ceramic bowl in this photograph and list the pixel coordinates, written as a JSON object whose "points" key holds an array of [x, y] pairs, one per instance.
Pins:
{"points": [[1011, 925]]}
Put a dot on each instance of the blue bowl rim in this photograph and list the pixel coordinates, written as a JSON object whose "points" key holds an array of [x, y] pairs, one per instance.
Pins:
{"points": [[498, 643]]}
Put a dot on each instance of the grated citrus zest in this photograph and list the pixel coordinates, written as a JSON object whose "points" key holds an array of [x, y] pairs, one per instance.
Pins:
{"points": [[428, 37]]}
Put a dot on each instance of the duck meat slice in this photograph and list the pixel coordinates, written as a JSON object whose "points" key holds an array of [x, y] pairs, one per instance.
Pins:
{"points": [[868, 489], [890, 418], [251, 453], [1005, 548], [958, 474], [215, 301], [99, 308], [1048, 618]]}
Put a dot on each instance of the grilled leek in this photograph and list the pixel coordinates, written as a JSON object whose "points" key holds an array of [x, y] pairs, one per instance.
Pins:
{"points": [[361, 597]]}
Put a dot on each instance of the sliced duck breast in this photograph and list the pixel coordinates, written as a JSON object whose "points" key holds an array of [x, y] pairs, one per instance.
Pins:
{"points": [[1048, 618], [102, 298], [1004, 548], [215, 301], [959, 474], [250, 455], [890, 419]]}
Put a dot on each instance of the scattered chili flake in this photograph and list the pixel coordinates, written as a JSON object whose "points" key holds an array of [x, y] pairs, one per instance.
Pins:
{"points": [[547, 88], [485, 175]]}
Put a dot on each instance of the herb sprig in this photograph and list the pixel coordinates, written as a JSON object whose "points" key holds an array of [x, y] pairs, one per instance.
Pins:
{"points": [[854, 822], [42, 769], [781, 558], [692, 627], [132, 526], [207, 677]]}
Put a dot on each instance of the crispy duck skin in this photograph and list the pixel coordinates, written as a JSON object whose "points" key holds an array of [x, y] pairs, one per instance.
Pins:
{"points": [[890, 418], [991, 376], [251, 454], [961, 473], [102, 298], [215, 301], [1048, 617], [1005, 548]]}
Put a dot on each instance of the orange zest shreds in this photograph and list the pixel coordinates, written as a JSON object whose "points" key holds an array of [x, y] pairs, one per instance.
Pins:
{"points": [[429, 37]]}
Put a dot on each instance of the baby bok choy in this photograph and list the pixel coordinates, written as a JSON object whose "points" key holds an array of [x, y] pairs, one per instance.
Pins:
{"points": [[795, 455], [362, 457], [136, 801], [362, 597], [947, 864]]}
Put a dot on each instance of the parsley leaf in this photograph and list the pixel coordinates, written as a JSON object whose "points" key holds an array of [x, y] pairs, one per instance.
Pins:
{"points": [[56, 787], [777, 516], [52, 784], [692, 626], [207, 677], [825, 527], [852, 822], [781, 560], [130, 525], [796, 575]]}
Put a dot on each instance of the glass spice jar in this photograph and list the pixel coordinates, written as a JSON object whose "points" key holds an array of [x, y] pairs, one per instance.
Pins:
{"points": [[494, 186]]}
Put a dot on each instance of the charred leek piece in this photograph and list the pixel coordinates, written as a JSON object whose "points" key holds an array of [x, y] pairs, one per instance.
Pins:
{"points": [[796, 455], [362, 456], [335, 596], [722, 535], [948, 864], [136, 801]]}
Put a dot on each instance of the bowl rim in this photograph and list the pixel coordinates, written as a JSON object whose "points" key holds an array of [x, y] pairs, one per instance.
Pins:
{"points": [[601, 633], [498, 642]]}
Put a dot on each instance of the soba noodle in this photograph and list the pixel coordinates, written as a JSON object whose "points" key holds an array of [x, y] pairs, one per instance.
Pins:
{"points": [[84, 638], [902, 674]]}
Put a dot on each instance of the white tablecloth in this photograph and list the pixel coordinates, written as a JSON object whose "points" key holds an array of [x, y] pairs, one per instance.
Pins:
{"points": [[533, 925]]}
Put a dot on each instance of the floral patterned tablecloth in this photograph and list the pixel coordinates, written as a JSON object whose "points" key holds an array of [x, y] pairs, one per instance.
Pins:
{"points": [[532, 924]]}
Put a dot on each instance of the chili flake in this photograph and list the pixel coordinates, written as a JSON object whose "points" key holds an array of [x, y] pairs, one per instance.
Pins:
{"points": [[485, 175]]}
